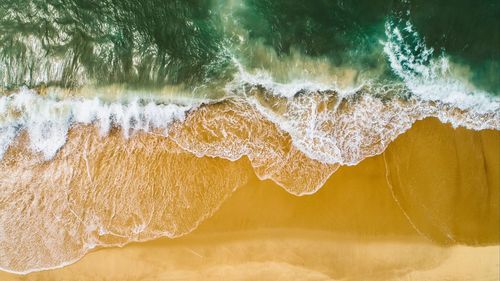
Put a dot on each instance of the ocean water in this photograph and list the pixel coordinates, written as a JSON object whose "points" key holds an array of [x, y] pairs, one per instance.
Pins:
{"points": [[299, 88]]}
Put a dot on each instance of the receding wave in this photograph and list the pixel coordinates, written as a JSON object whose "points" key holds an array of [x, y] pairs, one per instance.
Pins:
{"points": [[329, 126], [123, 132], [79, 173]]}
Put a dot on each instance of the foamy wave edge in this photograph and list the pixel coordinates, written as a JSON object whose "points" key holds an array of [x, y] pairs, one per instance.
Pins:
{"points": [[328, 125]]}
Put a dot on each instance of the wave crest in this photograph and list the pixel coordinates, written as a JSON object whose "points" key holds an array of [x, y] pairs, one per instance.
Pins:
{"points": [[77, 173]]}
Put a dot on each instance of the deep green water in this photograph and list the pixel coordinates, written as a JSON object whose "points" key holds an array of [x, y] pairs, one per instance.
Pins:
{"points": [[156, 43]]}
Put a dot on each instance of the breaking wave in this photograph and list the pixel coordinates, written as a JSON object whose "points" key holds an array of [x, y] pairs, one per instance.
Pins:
{"points": [[134, 168]]}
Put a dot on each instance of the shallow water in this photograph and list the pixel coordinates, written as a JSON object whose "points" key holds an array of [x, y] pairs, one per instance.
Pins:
{"points": [[395, 216], [127, 121]]}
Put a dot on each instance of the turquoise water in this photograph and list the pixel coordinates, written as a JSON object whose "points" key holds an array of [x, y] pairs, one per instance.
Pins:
{"points": [[148, 44], [375, 66], [298, 88]]}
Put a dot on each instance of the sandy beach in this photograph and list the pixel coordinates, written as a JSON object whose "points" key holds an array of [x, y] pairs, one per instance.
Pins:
{"points": [[426, 209]]}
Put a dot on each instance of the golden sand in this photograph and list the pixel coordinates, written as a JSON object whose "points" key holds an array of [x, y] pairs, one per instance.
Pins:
{"points": [[426, 209]]}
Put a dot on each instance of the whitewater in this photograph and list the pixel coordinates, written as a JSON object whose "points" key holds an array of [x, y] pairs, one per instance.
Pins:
{"points": [[296, 123]]}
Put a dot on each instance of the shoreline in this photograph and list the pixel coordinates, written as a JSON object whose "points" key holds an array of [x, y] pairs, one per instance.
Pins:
{"points": [[356, 202]]}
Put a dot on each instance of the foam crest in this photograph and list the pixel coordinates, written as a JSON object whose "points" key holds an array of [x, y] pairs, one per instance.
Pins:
{"points": [[265, 79], [48, 119], [169, 186], [333, 128], [233, 128], [428, 77], [344, 128]]}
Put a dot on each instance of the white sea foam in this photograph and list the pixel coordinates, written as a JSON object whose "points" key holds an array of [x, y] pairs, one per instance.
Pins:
{"points": [[373, 114], [263, 78], [48, 119], [356, 124], [334, 126], [359, 122], [344, 126], [428, 77]]}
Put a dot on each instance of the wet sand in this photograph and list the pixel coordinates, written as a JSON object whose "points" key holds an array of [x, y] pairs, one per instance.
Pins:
{"points": [[426, 209]]}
